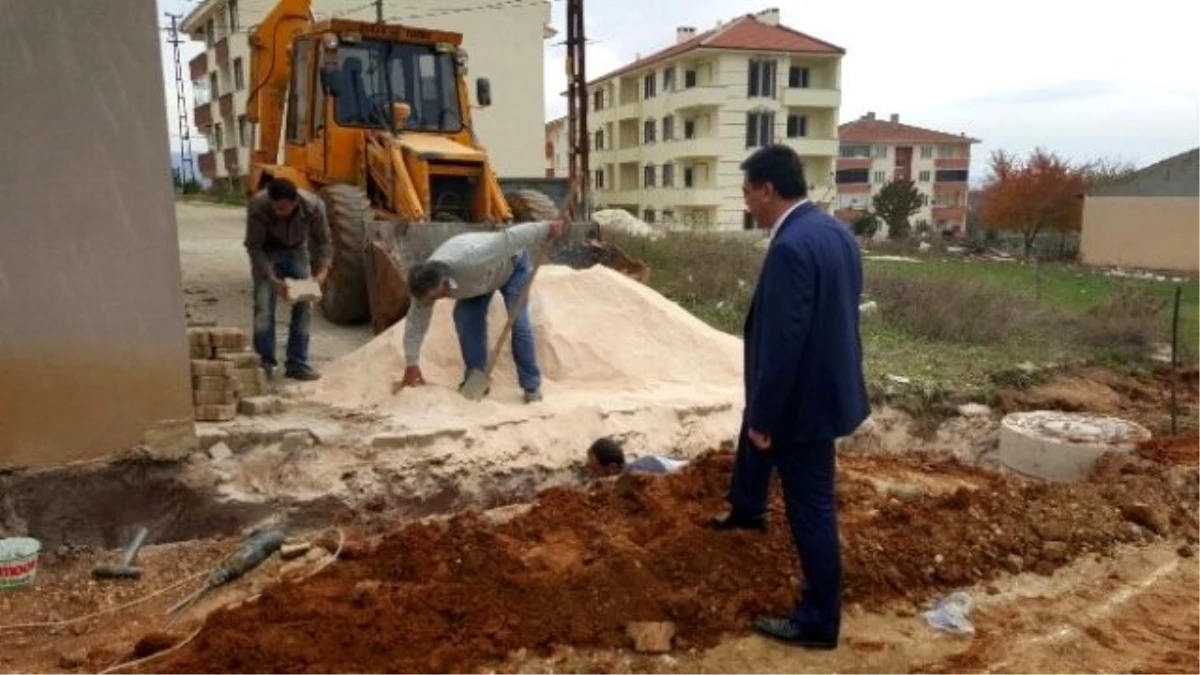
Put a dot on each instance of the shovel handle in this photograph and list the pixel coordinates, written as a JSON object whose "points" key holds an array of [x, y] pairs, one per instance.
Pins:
{"points": [[543, 249]]}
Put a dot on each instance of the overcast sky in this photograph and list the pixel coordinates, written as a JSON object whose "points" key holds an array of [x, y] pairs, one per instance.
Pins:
{"points": [[1067, 75]]}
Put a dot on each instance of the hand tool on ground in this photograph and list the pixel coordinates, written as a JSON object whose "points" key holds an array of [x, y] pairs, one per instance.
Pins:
{"points": [[126, 570], [260, 546], [480, 381]]}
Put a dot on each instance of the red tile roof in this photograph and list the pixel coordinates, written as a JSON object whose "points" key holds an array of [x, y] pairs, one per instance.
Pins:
{"points": [[744, 33], [883, 131]]}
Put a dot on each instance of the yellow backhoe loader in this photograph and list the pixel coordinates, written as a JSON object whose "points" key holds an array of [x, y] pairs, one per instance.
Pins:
{"points": [[376, 119]]}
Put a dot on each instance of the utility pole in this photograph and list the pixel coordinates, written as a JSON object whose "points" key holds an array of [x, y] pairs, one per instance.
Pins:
{"points": [[577, 105], [187, 172], [378, 11]]}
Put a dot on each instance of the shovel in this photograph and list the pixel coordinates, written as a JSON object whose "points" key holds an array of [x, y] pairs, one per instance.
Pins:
{"points": [[480, 381]]}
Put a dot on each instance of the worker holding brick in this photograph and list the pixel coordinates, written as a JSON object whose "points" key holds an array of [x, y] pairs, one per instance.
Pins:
{"points": [[280, 222], [470, 268]]}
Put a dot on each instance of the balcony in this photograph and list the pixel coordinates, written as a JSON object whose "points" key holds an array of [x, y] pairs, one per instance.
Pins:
{"points": [[848, 163], [959, 163], [696, 97], [694, 196], [612, 197], [699, 146], [951, 214], [222, 48], [203, 116], [812, 98], [950, 188], [813, 147], [207, 163], [854, 188], [226, 103], [198, 67], [231, 160]]}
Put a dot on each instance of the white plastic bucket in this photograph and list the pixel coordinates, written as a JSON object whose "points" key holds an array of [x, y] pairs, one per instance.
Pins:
{"points": [[18, 561]]}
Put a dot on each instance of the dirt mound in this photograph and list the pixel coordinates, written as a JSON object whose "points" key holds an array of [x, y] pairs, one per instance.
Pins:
{"points": [[1183, 449], [582, 563], [596, 330]]}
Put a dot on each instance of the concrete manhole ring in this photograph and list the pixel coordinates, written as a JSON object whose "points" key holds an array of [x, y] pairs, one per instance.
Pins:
{"points": [[1060, 446]]}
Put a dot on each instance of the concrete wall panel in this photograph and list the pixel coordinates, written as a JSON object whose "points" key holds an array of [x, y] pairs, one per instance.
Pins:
{"points": [[1158, 233], [93, 353]]}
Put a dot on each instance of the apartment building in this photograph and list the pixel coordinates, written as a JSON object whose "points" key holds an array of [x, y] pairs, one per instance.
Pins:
{"points": [[875, 152], [504, 42], [669, 130], [557, 149]]}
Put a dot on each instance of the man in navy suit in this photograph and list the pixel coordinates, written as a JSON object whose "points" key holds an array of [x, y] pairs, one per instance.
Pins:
{"points": [[804, 385]]}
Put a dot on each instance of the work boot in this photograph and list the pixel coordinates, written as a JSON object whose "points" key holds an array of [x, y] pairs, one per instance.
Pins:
{"points": [[304, 374], [533, 396]]}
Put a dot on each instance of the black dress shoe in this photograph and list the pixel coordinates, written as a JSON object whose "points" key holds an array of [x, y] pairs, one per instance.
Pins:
{"points": [[734, 521], [790, 633]]}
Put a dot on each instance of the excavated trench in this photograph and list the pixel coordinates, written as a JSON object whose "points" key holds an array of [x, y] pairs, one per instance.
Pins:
{"points": [[100, 505]]}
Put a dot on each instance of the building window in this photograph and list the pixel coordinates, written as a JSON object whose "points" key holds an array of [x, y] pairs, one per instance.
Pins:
{"points": [[668, 125], [798, 77], [648, 131], [668, 172], [761, 82], [210, 33], [689, 175], [669, 79], [880, 151], [598, 100], [853, 151], [852, 176], [218, 137], [648, 84], [948, 151], [599, 179], [239, 75], [243, 131], [760, 129], [923, 177], [926, 152], [648, 176], [797, 126], [689, 129], [668, 216], [880, 177], [689, 79], [599, 142], [648, 215], [951, 176], [214, 85]]}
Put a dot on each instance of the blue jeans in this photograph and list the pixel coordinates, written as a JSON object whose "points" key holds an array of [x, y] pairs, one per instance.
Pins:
{"points": [[470, 321], [288, 264]]}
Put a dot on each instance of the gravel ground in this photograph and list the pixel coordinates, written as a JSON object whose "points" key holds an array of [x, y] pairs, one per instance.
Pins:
{"points": [[217, 287]]}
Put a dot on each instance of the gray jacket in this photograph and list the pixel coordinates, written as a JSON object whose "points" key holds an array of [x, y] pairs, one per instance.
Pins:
{"points": [[480, 263]]}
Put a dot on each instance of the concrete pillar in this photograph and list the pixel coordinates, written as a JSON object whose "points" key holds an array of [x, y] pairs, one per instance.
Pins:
{"points": [[93, 351]]}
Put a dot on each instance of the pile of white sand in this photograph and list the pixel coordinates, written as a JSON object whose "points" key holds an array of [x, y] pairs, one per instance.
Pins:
{"points": [[616, 358], [620, 220]]}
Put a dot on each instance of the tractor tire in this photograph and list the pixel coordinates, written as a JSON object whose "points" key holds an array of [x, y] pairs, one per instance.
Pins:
{"points": [[344, 293], [530, 206]]}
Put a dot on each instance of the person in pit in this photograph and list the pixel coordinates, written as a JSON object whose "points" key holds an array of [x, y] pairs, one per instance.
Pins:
{"points": [[606, 457]]}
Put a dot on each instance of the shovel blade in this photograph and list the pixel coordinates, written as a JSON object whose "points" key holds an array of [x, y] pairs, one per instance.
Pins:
{"points": [[476, 386]]}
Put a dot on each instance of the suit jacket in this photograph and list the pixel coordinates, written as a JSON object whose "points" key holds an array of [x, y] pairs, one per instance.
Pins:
{"points": [[803, 352]]}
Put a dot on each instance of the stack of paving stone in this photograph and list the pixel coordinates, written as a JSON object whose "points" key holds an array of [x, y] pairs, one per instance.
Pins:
{"points": [[224, 372]]}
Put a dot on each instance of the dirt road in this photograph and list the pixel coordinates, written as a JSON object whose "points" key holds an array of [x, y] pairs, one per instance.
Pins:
{"points": [[216, 281]]}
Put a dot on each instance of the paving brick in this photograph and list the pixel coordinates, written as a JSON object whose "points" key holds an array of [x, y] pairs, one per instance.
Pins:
{"points": [[214, 397], [215, 413], [214, 384], [241, 359], [302, 290], [200, 351], [211, 368], [198, 337], [228, 338], [260, 405], [651, 637]]}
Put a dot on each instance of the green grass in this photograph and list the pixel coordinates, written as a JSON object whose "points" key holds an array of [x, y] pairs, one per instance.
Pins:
{"points": [[948, 324]]}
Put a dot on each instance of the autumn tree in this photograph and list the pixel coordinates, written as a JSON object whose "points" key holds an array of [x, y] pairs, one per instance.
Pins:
{"points": [[1042, 192], [896, 202]]}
